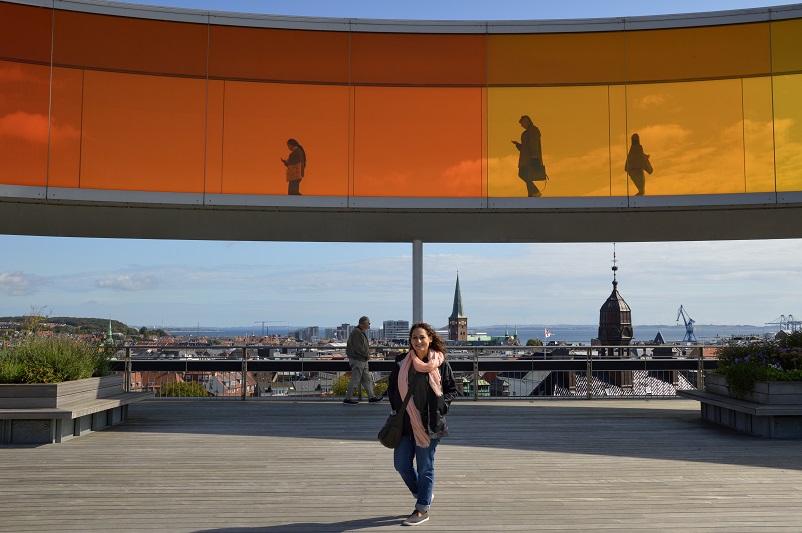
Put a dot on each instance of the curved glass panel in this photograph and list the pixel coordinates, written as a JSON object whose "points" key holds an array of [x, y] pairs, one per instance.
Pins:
{"points": [[788, 131], [24, 124], [278, 55], [698, 53], [259, 119], [417, 59], [25, 33], [64, 169], [556, 58], [417, 142], [574, 125], [143, 133], [786, 46], [694, 134]]}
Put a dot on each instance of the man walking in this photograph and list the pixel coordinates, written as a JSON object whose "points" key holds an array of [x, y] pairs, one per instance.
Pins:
{"points": [[358, 352]]}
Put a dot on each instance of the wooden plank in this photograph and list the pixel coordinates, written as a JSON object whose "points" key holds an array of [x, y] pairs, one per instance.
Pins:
{"points": [[297, 466]]}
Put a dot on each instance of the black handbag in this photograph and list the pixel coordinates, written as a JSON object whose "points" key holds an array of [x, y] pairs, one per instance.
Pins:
{"points": [[390, 433]]}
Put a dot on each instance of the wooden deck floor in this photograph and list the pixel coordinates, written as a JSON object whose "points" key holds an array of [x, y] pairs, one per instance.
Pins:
{"points": [[282, 466]]}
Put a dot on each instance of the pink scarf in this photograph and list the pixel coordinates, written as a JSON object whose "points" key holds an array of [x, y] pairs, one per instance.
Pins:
{"points": [[432, 368]]}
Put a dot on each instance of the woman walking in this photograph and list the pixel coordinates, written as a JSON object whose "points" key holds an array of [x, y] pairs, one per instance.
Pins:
{"points": [[296, 166], [426, 370], [638, 163]]}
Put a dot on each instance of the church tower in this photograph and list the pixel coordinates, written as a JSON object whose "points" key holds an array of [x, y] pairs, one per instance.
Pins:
{"points": [[457, 322], [615, 317]]}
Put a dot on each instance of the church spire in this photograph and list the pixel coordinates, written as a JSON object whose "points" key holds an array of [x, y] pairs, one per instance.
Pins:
{"points": [[456, 311]]}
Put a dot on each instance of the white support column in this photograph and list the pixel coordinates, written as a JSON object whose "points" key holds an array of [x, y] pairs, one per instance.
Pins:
{"points": [[417, 281]]}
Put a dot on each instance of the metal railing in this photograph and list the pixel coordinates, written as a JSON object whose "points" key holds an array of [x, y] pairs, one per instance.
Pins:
{"points": [[491, 372]]}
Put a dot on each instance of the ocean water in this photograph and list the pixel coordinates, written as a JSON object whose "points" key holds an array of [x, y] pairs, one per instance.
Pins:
{"points": [[569, 333]]}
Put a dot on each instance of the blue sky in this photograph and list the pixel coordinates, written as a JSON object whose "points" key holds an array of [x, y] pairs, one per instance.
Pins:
{"points": [[211, 283]]}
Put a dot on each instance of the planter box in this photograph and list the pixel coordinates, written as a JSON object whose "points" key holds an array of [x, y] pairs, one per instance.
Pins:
{"points": [[54, 412], [764, 392]]}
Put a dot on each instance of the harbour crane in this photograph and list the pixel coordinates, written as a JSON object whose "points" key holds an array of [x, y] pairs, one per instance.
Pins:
{"points": [[263, 322], [787, 323], [690, 336]]}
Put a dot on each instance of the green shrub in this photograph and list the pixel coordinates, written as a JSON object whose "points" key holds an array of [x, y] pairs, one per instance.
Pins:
{"points": [[340, 387], [774, 360], [183, 389], [52, 360]]}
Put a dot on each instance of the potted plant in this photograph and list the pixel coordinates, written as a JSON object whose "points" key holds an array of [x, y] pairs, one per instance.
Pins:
{"points": [[743, 366], [53, 360]]}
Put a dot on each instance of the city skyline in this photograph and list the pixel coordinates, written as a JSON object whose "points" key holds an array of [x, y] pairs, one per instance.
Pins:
{"points": [[224, 284]]}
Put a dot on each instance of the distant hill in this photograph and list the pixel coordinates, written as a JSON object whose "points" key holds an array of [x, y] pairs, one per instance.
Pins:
{"points": [[78, 325]]}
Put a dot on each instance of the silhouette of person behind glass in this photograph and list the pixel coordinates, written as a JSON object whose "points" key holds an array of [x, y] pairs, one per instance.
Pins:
{"points": [[296, 166], [638, 163], [530, 158]]}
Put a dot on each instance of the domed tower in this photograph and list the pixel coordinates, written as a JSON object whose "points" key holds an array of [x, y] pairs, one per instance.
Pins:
{"points": [[615, 317], [457, 322]]}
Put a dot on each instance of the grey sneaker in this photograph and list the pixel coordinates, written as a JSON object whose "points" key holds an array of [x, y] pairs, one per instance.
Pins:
{"points": [[416, 519], [350, 401]]}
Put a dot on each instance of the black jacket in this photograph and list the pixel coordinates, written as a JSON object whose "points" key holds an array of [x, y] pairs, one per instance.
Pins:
{"points": [[433, 412]]}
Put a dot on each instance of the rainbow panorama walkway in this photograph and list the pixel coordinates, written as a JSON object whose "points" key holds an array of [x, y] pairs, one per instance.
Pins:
{"points": [[283, 466]]}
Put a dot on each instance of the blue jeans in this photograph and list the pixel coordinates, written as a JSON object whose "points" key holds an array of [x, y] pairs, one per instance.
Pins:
{"points": [[419, 479]]}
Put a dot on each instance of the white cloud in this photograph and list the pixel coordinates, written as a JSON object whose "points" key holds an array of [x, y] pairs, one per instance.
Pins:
{"points": [[128, 282], [19, 283]]}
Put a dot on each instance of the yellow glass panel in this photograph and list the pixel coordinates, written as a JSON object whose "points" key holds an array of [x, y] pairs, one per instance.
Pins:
{"points": [[418, 59], [788, 131], [143, 132], [574, 124], [129, 44], [694, 133], [698, 53], [758, 135], [65, 138], [24, 125], [278, 55], [25, 32], [620, 184], [587, 58], [417, 142], [261, 117], [786, 46]]}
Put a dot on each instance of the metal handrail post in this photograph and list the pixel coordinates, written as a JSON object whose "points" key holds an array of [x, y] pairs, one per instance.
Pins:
{"points": [[476, 375], [244, 373], [589, 372], [700, 380], [127, 387]]}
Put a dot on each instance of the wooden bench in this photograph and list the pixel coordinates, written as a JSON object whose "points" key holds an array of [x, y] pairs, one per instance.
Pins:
{"points": [[775, 421], [52, 413]]}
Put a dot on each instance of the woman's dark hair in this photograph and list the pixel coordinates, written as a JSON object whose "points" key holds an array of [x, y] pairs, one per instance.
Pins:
{"points": [[293, 142], [635, 138], [436, 343]]}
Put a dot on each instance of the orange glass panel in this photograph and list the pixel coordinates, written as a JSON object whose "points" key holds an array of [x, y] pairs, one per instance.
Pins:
{"points": [[694, 133], [574, 124], [417, 59], [24, 125], [758, 135], [698, 53], [261, 117], [278, 55], [417, 142], [65, 137], [620, 184], [25, 32], [214, 136], [128, 44], [786, 46], [143, 132], [587, 58], [788, 131]]}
